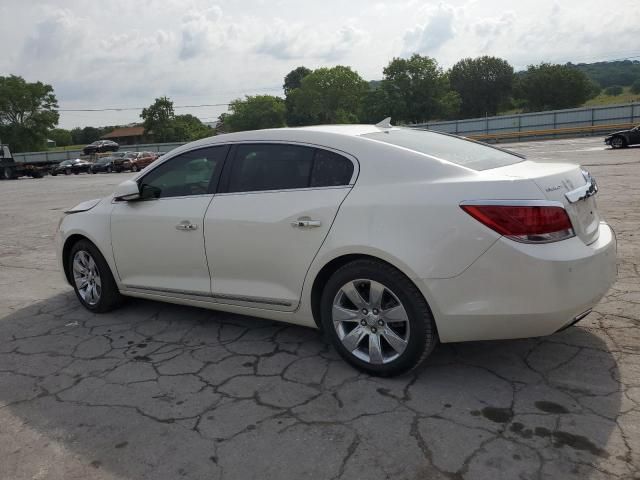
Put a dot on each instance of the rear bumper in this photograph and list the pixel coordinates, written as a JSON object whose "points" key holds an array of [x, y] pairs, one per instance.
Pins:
{"points": [[519, 290]]}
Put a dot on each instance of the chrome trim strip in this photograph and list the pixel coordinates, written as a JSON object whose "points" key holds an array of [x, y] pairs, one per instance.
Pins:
{"points": [[234, 298], [515, 203], [585, 191]]}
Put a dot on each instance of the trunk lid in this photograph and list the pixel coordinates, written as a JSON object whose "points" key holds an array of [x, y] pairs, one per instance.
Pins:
{"points": [[555, 180]]}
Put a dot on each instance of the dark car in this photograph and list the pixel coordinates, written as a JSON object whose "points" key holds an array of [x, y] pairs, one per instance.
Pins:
{"points": [[101, 146], [122, 160], [623, 138], [105, 164], [71, 166]]}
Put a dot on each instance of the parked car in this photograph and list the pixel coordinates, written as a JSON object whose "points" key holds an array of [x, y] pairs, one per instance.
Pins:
{"points": [[71, 166], [105, 164], [101, 146], [122, 160], [388, 239], [624, 138], [142, 160]]}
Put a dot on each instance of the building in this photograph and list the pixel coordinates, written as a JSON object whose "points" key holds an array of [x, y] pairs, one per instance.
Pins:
{"points": [[129, 135]]}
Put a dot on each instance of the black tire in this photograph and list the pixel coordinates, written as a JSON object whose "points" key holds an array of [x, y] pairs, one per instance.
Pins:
{"points": [[109, 170], [54, 173], [8, 173], [134, 168], [67, 171], [37, 174], [110, 297], [618, 142], [423, 336]]}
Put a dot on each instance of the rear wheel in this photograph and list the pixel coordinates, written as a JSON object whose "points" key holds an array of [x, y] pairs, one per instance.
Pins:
{"points": [[377, 319], [8, 173], [618, 142], [92, 279]]}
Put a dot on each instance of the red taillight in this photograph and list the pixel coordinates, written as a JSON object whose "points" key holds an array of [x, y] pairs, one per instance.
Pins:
{"points": [[524, 223]]}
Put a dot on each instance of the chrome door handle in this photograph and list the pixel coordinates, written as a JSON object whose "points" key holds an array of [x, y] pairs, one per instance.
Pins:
{"points": [[306, 223], [186, 225]]}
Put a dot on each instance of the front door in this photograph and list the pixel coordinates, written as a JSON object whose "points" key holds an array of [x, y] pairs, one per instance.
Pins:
{"points": [[158, 241], [276, 206]]}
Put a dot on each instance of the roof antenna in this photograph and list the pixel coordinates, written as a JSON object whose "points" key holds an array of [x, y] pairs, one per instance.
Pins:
{"points": [[386, 123]]}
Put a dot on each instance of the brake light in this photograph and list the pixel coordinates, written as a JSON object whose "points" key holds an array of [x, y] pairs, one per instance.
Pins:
{"points": [[524, 223]]}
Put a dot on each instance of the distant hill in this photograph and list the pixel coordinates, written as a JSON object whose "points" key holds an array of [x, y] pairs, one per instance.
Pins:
{"points": [[606, 74]]}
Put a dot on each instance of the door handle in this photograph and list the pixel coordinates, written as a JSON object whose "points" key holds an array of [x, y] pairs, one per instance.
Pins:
{"points": [[186, 225], [300, 223]]}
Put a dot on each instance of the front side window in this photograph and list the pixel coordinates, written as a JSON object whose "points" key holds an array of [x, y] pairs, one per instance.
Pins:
{"points": [[258, 167], [192, 173]]}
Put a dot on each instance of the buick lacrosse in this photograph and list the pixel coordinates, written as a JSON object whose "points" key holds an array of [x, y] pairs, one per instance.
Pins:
{"points": [[388, 239]]}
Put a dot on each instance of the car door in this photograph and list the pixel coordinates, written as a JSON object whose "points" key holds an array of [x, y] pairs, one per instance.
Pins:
{"points": [[634, 136], [263, 229], [158, 241]]}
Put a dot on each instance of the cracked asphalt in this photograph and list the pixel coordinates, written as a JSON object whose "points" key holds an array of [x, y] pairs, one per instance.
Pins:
{"points": [[158, 391]]}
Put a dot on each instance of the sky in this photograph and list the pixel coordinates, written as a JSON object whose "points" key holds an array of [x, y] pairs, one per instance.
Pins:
{"points": [[126, 53]]}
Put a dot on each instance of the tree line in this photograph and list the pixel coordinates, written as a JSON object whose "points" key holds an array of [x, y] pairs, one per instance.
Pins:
{"points": [[412, 90]]}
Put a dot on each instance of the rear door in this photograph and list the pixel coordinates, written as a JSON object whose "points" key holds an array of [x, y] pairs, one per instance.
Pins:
{"points": [[263, 230]]}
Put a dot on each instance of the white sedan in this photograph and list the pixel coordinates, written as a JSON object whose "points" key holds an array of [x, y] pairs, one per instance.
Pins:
{"points": [[388, 239]]}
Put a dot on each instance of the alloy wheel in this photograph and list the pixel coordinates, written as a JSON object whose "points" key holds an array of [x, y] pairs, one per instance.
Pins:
{"points": [[617, 142], [87, 277], [370, 321]]}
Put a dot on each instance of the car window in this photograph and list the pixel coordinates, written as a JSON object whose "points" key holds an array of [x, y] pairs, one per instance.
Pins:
{"points": [[453, 149], [258, 167], [330, 169], [191, 173]]}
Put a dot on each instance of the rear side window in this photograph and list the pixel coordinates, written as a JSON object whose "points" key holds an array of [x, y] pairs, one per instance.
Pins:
{"points": [[330, 169], [259, 167], [456, 150]]}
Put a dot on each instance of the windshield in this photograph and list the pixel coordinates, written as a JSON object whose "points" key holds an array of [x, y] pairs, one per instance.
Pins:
{"points": [[466, 153], [65, 163], [104, 160]]}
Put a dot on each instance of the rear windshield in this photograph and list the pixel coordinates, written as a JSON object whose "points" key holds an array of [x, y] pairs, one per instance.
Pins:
{"points": [[456, 150]]}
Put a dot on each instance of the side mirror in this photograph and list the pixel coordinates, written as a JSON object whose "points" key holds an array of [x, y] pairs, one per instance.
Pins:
{"points": [[127, 191]]}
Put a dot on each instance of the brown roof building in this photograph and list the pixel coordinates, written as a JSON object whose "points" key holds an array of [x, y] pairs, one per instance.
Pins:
{"points": [[127, 135]]}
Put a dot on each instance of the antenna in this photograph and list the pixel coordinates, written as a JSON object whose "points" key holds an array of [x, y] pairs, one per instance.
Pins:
{"points": [[386, 123]]}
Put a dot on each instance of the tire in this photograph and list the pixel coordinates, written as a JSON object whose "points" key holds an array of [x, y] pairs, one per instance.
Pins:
{"points": [[37, 174], [67, 171], [412, 329], [8, 173], [134, 168], [54, 173], [109, 170], [618, 142], [104, 296]]}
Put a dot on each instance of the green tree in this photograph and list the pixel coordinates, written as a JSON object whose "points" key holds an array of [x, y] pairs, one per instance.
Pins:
{"points": [[188, 128], [159, 120], [483, 83], [27, 113], [549, 87], [61, 136], [418, 90], [255, 113], [635, 87], [613, 90], [329, 95], [293, 79]]}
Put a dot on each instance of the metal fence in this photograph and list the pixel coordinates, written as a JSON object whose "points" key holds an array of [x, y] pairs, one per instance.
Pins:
{"points": [[540, 121], [71, 154]]}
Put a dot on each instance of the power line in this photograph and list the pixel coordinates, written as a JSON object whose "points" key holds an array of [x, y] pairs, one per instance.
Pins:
{"points": [[122, 109]]}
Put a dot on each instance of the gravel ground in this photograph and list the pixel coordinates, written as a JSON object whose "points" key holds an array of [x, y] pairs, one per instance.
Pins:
{"points": [[163, 392]]}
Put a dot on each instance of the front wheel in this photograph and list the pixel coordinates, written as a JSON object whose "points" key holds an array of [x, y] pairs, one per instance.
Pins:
{"points": [[618, 142], [92, 279], [377, 319]]}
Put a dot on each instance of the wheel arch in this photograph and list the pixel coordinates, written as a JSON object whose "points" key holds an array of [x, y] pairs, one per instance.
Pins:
{"points": [[336, 263], [66, 251]]}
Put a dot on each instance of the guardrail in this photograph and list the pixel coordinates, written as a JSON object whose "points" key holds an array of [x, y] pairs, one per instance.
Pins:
{"points": [[552, 133]]}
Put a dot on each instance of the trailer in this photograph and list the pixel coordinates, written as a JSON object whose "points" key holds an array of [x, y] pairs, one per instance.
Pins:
{"points": [[10, 168]]}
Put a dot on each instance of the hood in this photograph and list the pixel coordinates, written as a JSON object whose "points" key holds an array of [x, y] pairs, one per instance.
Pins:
{"points": [[617, 133], [84, 206]]}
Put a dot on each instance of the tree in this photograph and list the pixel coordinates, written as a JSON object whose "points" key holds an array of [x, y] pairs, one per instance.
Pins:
{"points": [[329, 95], [27, 113], [417, 90], [613, 90], [188, 128], [255, 113], [61, 136], [159, 119], [635, 87], [549, 87], [294, 78], [483, 83]]}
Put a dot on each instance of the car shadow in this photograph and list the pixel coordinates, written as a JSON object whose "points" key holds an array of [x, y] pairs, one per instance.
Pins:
{"points": [[162, 391]]}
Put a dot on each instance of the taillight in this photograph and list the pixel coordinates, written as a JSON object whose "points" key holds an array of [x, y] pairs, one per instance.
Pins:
{"points": [[524, 223]]}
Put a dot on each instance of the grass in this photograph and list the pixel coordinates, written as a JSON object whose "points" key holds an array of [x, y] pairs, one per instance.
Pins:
{"points": [[68, 147], [625, 97]]}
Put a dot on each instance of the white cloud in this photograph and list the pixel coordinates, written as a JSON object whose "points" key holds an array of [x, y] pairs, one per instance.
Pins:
{"points": [[438, 29]]}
